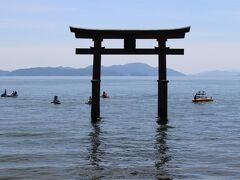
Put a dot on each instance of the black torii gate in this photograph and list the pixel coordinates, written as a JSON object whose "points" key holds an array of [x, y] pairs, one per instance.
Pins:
{"points": [[129, 37]]}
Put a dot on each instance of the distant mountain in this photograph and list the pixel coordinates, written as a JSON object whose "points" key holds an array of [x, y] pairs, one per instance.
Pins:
{"points": [[132, 69], [136, 69], [3, 73], [218, 73], [50, 71]]}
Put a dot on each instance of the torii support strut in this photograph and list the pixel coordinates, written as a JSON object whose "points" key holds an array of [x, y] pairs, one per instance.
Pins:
{"points": [[129, 37]]}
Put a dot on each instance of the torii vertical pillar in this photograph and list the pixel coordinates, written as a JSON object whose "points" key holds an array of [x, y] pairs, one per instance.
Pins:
{"points": [[162, 82], [96, 80]]}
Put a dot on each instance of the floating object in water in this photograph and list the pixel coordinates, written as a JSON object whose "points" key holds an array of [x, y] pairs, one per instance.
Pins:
{"points": [[89, 100], [201, 96], [14, 94], [56, 100], [3, 95], [105, 95]]}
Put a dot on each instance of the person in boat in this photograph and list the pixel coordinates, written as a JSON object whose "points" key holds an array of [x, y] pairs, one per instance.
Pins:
{"points": [[105, 95], [195, 97], [56, 100]]}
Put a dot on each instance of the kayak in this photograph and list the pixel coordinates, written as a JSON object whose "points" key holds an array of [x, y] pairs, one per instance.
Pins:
{"points": [[88, 102], [56, 102], [5, 95]]}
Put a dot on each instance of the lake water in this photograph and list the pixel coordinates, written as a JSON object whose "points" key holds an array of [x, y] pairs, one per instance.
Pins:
{"points": [[39, 140]]}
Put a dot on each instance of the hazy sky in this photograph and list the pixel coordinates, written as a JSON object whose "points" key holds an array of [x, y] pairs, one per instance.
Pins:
{"points": [[36, 32]]}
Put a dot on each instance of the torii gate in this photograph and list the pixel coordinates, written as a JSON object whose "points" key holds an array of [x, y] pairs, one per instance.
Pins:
{"points": [[129, 37]]}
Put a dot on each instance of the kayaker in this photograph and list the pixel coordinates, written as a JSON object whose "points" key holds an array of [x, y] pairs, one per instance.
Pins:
{"points": [[89, 100], [105, 95], [56, 100], [4, 94]]}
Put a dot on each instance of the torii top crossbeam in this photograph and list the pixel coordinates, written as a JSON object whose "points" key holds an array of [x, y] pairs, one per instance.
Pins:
{"points": [[138, 34], [130, 37]]}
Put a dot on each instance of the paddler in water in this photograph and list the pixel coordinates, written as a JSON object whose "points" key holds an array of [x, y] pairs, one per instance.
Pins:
{"points": [[89, 100], [14, 94], [4, 94], [105, 95], [56, 100]]}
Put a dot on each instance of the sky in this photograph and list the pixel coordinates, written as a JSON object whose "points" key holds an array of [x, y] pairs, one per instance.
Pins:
{"points": [[35, 33]]}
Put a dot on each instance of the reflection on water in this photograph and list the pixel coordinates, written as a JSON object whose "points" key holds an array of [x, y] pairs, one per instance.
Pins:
{"points": [[162, 155], [95, 152]]}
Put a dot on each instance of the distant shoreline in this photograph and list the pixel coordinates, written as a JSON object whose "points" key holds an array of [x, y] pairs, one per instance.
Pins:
{"points": [[132, 69]]}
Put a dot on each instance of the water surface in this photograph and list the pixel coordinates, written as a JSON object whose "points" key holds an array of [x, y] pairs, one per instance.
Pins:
{"points": [[45, 141]]}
